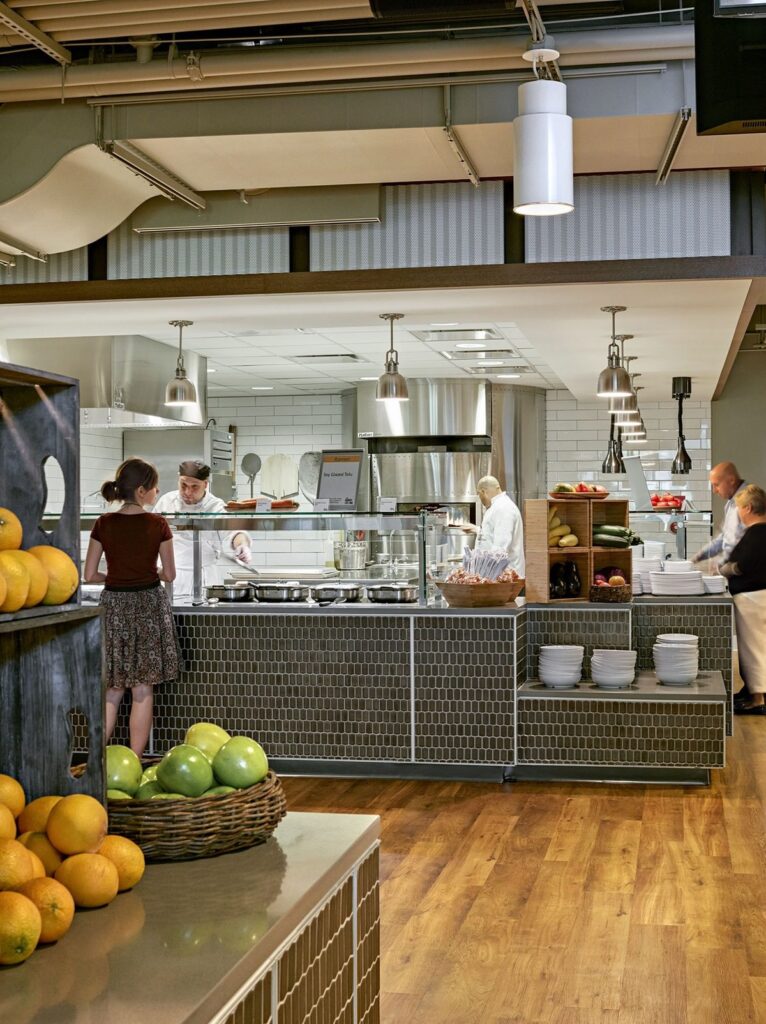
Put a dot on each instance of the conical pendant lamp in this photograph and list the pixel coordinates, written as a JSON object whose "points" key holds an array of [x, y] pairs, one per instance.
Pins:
{"points": [[180, 390], [682, 388], [392, 386], [614, 381], [613, 463]]}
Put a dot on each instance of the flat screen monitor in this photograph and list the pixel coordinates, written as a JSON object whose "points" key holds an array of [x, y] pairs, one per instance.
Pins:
{"points": [[739, 8]]}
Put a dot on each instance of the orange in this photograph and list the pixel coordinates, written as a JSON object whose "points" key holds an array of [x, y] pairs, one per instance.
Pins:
{"points": [[12, 795], [10, 530], [3, 589], [55, 903], [37, 865], [7, 823], [127, 857], [38, 577], [34, 817], [77, 824], [15, 864], [92, 880], [16, 582], [40, 844], [20, 927], [63, 574]]}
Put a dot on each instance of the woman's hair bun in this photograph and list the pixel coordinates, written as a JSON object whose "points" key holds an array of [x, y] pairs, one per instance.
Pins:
{"points": [[110, 491]]}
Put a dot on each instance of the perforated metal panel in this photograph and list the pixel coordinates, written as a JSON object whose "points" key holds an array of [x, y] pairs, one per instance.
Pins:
{"points": [[627, 216], [192, 253], [438, 225], [61, 266]]}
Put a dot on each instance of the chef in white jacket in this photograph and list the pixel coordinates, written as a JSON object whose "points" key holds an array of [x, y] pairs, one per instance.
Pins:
{"points": [[193, 495], [501, 526]]}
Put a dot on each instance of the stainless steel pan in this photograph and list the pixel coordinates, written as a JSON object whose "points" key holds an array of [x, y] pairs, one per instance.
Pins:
{"points": [[230, 592], [392, 593], [290, 590], [330, 593]]}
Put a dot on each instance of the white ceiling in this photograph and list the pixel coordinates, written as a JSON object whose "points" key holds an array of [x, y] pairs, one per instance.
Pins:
{"points": [[680, 328]]}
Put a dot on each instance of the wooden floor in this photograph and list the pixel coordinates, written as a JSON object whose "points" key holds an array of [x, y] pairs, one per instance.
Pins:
{"points": [[570, 904]]}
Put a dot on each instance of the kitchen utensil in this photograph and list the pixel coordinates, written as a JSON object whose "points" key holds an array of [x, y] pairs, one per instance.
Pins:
{"points": [[229, 592], [392, 593], [287, 591], [308, 474], [350, 554], [332, 593], [251, 466]]}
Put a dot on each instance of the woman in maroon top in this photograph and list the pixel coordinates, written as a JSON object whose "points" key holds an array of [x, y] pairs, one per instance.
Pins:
{"points": [[139, 633]]}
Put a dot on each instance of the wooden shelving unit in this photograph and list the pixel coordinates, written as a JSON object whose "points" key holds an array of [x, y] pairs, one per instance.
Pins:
{"points": [[581, 516]]}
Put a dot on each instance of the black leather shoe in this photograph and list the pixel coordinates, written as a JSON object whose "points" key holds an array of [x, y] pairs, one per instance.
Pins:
{"points": [[760, 709], [741, 696]]}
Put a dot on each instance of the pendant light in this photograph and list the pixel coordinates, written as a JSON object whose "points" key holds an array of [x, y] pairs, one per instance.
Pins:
{"points": [[180, 390], [392, 386], [634, 431], [543, 174], [613, 381], [682, 388], [625, 410], [613, 463]]}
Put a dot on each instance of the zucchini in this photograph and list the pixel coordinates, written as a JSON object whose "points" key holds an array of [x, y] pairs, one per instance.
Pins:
{"points": [[618, 531], [608, 540]]}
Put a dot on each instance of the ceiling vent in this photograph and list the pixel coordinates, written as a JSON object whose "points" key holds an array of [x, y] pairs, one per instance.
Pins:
{"points": [[474, 356], [492, 371], [455, 334], [329, 359]]}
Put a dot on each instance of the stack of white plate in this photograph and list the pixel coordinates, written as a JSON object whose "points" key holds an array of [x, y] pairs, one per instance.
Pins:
{"points": [[678, 583], [613, 670], [642, 567], [654, 549], [676, 658], [637, 551], [637, 586], [560, 665], [714, 584], [678, 565]]}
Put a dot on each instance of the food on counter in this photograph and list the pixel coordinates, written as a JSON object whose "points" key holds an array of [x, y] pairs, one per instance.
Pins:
{"points": [[249, 504], [579, 488], [207, 737], [34, 817], [7, 823], [12, 795], [55, 904], [611, 576], [15, 586], [565, 580], [20, 927], [185, 770], [123, 769], [77, 824], [462, 576], [11, 533], [569, 541], [240, 763], [39, 844], [63, 574], [92, 880], [38, 577], [563, 489], [127, 857], [607, 536], [667, 501]]}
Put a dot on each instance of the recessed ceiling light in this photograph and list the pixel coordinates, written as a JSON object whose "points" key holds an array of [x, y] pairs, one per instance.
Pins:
{"points": [[211, 369], [470, 344], [492, 362], [507, 376], [368, 378], [455, 324], [262, 388]]}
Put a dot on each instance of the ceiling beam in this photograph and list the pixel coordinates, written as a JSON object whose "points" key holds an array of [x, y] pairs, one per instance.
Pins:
{"points": [[34, 35]]}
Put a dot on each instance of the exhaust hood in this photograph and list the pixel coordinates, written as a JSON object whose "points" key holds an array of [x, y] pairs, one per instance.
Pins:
{"points": [[122, 378]]}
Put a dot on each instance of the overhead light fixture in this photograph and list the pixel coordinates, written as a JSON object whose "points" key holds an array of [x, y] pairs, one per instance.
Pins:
{"points": [[212, 369], [180, 390], [613, 463], [471, 345], [262, 387], [672, 146], [391, 384], [508, 376], [543, 176], [368, 378], [682, 388], [7, 260], [157, 175], [454, 323], [614, 380]]}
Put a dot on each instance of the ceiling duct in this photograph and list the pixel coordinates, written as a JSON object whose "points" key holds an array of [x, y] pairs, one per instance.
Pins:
{"points": [[122, 378]]}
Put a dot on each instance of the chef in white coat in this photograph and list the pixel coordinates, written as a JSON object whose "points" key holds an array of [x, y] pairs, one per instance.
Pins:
{"points": [[193, 495], [501, 526]]}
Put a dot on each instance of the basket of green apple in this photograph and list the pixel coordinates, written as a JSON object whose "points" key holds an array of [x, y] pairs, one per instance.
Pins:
{"points": [[213, 793]]}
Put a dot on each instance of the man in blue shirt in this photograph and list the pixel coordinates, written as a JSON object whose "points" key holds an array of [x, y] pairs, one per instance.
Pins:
{"points": [[725, 481]]}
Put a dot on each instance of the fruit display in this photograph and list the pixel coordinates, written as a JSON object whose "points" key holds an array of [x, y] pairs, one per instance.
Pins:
{"points": [[667, 502], [55, 857], [40, 575], [564, 490], [612, 576], [606, 536]]}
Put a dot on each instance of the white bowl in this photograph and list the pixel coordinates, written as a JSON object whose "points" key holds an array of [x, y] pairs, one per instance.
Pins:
{"points": [[687, 639]]}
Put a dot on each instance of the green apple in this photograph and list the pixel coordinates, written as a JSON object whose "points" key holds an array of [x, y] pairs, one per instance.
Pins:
{"points": [[123, 769], [207, 737], [185, 770], [240, 763], [219, 790], [147, 790], [117, 794], [149, 774], [169, 796]]}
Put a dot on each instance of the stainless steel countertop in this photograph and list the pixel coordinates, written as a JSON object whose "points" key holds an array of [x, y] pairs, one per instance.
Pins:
{"points": [[353, 608], [183, 942], [708, 686]]}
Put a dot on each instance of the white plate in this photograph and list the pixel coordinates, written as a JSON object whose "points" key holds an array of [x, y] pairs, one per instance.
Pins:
{"points": [[678, 638]]}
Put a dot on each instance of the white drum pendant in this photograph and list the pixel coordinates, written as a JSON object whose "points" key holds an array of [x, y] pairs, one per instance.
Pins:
{"points": [[543, 176]]}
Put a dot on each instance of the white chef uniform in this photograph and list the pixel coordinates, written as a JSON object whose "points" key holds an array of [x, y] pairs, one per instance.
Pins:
{"points": [[214, 546], [502, 528]]}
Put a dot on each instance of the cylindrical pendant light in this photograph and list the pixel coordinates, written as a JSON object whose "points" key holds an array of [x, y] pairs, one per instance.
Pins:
{"points": [[180, 390], [392, 386], [614, 380], [543, 176]]}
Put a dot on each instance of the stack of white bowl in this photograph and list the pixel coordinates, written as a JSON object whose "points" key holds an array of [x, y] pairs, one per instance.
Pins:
{"points": [[714, 584], [636, 584], [685, 583], [613, 670], [678, 565], [654, 549], [642, 567], [560, 665], [676, 658]]}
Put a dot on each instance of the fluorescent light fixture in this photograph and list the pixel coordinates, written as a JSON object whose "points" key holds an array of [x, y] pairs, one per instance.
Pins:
{"points": [[157, 175], [7, 260], [672, 146], [471, 345], [507, 376], [212, 369], [543, 176], [368, 378], [262, 387], [455, 323]]}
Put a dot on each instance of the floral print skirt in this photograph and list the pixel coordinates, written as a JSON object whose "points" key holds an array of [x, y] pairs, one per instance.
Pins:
{"points": [[141, 647]]}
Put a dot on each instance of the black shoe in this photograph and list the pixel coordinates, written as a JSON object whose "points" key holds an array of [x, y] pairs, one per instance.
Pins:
{"points": [[742, 695], [759, 709]]}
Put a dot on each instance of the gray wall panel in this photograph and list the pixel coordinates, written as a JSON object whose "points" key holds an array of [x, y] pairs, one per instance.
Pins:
{"points": [[61, 266]]}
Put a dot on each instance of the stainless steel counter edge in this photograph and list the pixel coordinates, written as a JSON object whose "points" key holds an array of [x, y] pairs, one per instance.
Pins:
{"points": [[300, 608], [264, 952], [708, 686]]}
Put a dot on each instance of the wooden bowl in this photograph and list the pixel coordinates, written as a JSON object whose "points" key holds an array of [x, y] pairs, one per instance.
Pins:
{"points": [[479, 595]]}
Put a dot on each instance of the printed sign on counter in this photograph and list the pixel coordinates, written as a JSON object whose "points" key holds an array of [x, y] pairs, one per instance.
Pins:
{"points": [[339, 478]]}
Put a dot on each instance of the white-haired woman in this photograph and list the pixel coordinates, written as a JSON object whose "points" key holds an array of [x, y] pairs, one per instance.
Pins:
{"points": [[746, 571]]}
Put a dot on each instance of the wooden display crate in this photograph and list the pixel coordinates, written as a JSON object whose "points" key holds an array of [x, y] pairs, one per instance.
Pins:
{"points": [[580, 516], [51, 673]]}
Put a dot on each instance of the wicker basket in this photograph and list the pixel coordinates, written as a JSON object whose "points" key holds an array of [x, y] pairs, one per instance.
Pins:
{"points": [[611, 595], [203, 827], [479, 595]]}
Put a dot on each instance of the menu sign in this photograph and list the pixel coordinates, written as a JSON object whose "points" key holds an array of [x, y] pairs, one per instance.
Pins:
{"points": [[339, 478]]}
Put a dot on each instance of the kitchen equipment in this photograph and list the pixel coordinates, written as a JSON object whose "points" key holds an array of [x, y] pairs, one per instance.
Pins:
{"points": [[456, 540], [350, 554], [167, 448], [230, 592], [330, 593], [308, 474], [284, 591], [251, 466], [392, 593]]}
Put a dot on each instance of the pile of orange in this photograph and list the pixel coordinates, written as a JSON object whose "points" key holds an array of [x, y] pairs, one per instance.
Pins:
{"points": [[41, 575], [55, 855]]}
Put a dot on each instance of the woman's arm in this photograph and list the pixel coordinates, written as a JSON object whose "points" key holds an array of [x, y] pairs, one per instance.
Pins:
{"points": [[93, 557], [168, 560]]}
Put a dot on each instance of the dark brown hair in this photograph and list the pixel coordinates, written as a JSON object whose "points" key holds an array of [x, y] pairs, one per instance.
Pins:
{"points": [[132, 474]]}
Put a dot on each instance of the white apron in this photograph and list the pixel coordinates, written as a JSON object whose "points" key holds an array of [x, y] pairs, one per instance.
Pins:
{"points": [[750, 618]]}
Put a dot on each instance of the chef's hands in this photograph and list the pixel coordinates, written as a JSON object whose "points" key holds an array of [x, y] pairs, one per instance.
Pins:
{"points": [[241, 546], [469, 528]]}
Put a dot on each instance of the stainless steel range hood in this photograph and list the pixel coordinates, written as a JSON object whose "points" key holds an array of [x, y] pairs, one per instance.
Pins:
{"points": [[122, 378]]}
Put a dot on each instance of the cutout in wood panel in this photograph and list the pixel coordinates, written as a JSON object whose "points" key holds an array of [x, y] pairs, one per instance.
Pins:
{"points": [[55, 486], [79, 740]]}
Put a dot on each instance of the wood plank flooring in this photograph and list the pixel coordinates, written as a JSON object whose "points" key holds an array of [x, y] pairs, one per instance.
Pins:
{"points": [[533, 903]]}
